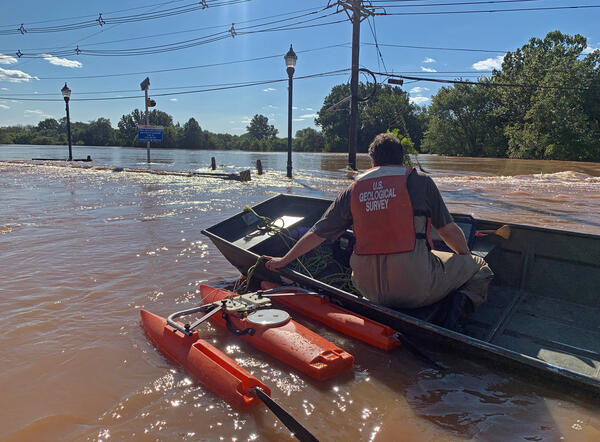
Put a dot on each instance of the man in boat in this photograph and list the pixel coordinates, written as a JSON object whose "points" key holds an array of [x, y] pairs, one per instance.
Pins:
{"points": [[391, 208]]}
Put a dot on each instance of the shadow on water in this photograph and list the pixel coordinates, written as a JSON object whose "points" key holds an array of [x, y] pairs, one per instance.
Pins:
{"points": [[467, 400]]}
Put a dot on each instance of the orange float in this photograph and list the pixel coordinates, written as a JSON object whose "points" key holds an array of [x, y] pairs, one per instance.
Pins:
{"points": [[215, 370], [283, 338], [336, 317]]}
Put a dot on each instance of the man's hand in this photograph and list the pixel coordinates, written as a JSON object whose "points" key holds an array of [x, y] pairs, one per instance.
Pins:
{"points": [[274, 264]]}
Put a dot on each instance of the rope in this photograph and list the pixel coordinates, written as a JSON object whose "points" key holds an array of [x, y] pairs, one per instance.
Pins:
{"points": [[313, 264]]}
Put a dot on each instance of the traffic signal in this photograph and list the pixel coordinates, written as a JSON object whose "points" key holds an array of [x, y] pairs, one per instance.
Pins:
{"points": [[150, 102]]}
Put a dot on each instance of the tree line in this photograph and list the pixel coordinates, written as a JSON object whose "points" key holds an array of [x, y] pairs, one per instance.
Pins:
{"points": [[544, 103]]}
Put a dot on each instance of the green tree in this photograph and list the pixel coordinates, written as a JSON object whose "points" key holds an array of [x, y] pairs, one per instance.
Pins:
{"points": [[260, 128], [388, 109], [463, 120], [49, 124], [98, 133], [192, 136], [128, 125], [558, 120], [309, 140]]}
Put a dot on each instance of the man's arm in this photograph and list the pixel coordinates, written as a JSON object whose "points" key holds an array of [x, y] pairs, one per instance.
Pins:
{"points": [[454, 238], [304, 245]]}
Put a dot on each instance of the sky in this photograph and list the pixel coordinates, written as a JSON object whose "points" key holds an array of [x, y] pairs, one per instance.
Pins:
{"points": [[229, 42]]}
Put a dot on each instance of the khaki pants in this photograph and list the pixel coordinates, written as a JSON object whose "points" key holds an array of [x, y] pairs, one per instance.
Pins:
{"points": [[419, 278]]}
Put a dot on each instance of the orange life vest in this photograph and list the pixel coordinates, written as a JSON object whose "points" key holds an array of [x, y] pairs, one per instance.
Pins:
{"points": [[382, 212]]}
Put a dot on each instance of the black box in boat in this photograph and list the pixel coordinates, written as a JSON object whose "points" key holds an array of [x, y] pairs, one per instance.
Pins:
{"points": [[542, 316]]}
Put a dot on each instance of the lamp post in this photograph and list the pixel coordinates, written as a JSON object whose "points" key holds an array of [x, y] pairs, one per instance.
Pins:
{"points": [[66, 92], [144, 86], [290, 62]]}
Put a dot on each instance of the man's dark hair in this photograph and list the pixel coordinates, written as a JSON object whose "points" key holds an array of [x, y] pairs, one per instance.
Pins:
{"points": [[386, 149]]}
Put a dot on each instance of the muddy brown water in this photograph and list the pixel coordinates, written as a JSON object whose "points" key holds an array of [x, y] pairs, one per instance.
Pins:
{"points": [[83, 250]]}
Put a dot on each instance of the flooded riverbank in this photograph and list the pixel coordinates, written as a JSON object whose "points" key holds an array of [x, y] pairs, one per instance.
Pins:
{"points": [[83, 250]]}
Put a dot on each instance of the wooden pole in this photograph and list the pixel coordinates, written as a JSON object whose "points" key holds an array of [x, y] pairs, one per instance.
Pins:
{"points": [[353, 141]]}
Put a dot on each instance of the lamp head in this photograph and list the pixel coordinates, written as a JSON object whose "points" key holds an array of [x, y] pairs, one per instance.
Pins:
{"points": [[66, 92], [290, 58]]}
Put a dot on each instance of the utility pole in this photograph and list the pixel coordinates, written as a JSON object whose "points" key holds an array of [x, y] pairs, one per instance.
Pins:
{"points": [[354, 85], [359, 12], [147, 124]]}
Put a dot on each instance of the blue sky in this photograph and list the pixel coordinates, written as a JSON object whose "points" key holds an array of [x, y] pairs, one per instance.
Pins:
{"points": [[319, 48]]}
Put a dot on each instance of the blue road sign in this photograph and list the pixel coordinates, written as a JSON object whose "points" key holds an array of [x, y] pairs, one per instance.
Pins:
{"points": [[150, 133]]}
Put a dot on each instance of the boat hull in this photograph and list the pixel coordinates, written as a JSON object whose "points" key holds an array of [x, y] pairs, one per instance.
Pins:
{"points": [[541, 316]]}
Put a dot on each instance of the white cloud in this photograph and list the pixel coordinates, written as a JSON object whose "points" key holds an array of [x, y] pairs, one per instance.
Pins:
{"points": [[62, 61], [270, 106], [418, 100], [15, 76], [294, 108], [269, 89], [246, 120], [308, 109], [429, 60], [489, 63], [297, 119], [308, 116], [173, 99], [34, 112], [4, 106], [424, 69], [3, 88], [589, 49], [418, 90], [7, 59]]}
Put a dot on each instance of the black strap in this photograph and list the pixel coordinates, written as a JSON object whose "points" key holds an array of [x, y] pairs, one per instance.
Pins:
{"points": [[301, 433], [235, 331]]}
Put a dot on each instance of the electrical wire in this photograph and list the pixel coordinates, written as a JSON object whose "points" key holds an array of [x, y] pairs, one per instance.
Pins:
{"points": [[101, 20], [479, 83], [438, 48], [225, 86], [548, 8], [169, 47], [93, 15], [184, 68], [205, 28]]}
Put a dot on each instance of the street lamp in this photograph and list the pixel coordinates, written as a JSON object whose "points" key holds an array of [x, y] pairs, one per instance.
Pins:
{"points": [[290, 62], [66, 92], [144, 85]]}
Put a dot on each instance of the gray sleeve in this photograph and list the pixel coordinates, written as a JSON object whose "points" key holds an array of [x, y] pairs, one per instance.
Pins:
{"points": [[336, 219], [440, 216]]}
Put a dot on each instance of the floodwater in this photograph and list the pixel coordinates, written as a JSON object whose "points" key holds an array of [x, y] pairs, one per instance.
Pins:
{"points": [[83, 250]]}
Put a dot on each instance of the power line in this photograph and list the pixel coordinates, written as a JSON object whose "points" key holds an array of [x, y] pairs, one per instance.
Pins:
{"points": [[103, 20], [439, 48], [224, 86], [479, 83], [548, 8], [205, 28], [184, 68], [169, 47], [462, 3], [92, 15]]}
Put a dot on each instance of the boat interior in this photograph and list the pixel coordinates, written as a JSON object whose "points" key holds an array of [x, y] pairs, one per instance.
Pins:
{"points": [[543, 303]]}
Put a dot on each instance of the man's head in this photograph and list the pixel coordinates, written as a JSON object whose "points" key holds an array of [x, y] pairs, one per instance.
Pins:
{"points": [[386, 149]]}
